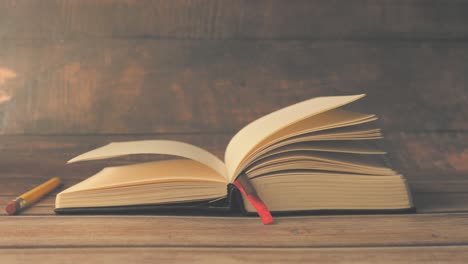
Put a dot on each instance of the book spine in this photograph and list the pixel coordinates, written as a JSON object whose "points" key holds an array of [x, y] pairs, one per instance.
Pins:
{"points": [[246, 188]]}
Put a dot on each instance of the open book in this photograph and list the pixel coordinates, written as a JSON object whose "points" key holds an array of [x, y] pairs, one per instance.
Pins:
{"points": [[309, 156]]}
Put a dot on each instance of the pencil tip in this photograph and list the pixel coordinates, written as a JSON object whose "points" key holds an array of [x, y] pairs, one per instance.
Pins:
{"points": [[11, 207]]}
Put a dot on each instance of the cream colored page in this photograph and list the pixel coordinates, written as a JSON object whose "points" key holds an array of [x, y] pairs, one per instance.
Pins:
{"points": [[252, 134], [328, 120], [331, 119], [166, 147], [149, 172], [346, 148]]}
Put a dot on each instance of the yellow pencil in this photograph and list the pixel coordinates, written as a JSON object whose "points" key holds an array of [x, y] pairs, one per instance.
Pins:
{"points": [[32, 196]]}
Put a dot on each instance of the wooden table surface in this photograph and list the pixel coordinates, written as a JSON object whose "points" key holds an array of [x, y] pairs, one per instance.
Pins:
{"points": [[75, 75]]}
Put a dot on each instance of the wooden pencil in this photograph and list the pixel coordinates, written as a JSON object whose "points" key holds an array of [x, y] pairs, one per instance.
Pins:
{"points": [[32, 196]]}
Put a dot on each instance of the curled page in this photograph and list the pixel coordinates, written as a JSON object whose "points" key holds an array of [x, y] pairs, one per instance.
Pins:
{"points": [[251, 135], [165, 147]]}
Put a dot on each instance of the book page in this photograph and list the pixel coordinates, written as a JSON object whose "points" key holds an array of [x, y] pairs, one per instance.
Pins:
{"points": [[301, 160], [165, 147], [147, 173], [329, 146], [254, 133], [306, 191], [331, 119], [321, 126]]}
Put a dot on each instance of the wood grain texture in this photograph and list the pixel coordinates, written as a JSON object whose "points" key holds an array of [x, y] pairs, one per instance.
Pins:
{"points": [[210, 19], [307, 231], [147, 86], [76, 74], [443, 155], [397, 255]]}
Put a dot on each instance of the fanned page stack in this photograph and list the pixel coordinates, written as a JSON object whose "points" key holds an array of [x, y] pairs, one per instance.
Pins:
{"points": [[308, 157]]}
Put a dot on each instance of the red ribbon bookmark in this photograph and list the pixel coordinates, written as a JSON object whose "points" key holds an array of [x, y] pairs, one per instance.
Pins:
{"points": [[245, 187]]}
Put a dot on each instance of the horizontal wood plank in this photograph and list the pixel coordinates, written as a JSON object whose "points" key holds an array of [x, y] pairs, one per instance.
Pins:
{"points": [[210, 19], [307, 231], [426, 255], [158, 86], [429, 155]]}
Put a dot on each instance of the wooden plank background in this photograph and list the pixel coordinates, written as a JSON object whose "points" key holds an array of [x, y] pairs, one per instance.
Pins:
{"points": [[211, 19], [371, 255], [78, 74], [124, 86]]}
